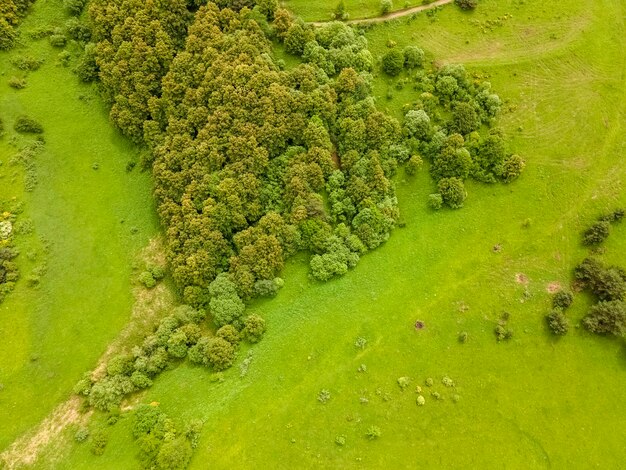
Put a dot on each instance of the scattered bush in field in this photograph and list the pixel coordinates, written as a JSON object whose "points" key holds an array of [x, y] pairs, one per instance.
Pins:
{"points": [[254, 328], [429, 382], [340, 440], [58, 39], [147, 279], [463, 337], [64, 58], [562, 299], [26, 125], [99, 441], [557, 321], [385, 6], [452, 192], [360, 343], [17, 83], [607, 317], [467, 4], [606, 283], [27, 63], [502, 331], [435, 201], [373, 432], [403, 382], [511, 168], [77, 30], [323, 396], [421, 401], [393, 62], [616, 216], [340, 13], [447, 381], [597, 233], [81, 435]]}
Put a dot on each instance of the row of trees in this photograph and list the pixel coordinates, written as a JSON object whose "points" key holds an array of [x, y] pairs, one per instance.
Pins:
{"points": [[178, 335]]}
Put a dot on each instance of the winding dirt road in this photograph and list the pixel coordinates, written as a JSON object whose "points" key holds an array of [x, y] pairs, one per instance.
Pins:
{"points": [[390, 16]]}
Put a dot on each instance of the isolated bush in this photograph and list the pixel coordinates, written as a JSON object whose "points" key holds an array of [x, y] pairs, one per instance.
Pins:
{"points": [[373, 432], [562, 299], [99, 441], [81, 435], [147, 279], [393, 62], [385, 6], [452, 192], [467, 4], [607, 318], [26, 125], [413, 57], [597, 233], [557, 321], [27, 63], [17, 83], [58, 40], [254, 328]]}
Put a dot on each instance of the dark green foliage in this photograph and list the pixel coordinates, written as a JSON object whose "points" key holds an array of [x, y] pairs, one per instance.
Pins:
{"points": [[597, 233], [511, 168], [87, 68], [254, 328], [452, 192], [467, 4], [74, 7], [26, 125], [413, 57], [557, 321], [393, 62], [502, 331], [465, 119], [562, 299], [607, 318], [606, 283], [268, 8], [78, 30]]}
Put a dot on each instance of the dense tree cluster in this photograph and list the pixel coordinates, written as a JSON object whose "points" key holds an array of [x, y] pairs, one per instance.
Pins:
{"points": [[11, 11], [445, 124], [162, 444]]}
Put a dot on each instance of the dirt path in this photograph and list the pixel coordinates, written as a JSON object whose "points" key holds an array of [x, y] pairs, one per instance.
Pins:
{"points": [[390, 16]]}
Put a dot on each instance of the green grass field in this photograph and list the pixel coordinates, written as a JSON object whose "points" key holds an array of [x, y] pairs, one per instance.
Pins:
{"points": [[52, 334], [532, 402]]}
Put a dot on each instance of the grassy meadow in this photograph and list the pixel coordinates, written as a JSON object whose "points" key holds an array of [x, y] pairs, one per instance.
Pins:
{"points": [[94, 221], [531, 402]]}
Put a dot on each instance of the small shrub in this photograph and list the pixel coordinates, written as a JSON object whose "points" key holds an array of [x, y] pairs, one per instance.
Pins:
{"points": [[27, 63], [373, 432], [467, 4], [81, 435], [158, 272], [254, 328], [562, 299], [447, 381], [435, 201], [340, 440], [557, 321], [64, 58], [463, 337], [597, 233], [17, 83], [147, 279], [323, 396], [420, 400], [99, 441], [385, 6], [26, 125], [403, 382], [58, 40], [360, 343]]}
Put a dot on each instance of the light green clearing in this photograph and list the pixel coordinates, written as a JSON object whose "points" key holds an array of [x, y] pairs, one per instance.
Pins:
{"points": [[323, 10], [51, 335], [534, 402]]}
